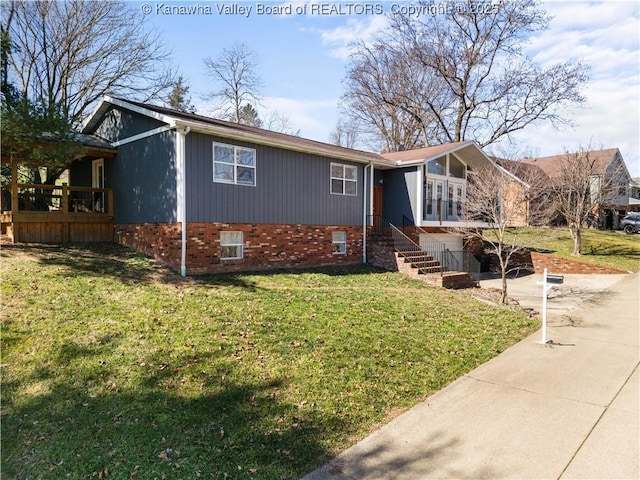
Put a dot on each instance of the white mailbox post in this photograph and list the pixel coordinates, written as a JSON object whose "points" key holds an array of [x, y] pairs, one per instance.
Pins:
{"points": [[548, 282]]}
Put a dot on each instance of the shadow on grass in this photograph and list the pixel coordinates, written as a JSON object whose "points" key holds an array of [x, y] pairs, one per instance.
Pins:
{"points": [[541, 250], [612, 250], [85, 423], [131, 267], [99, 259]]}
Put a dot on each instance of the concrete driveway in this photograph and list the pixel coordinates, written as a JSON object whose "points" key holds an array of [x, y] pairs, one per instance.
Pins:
{"points": [[569, 409], [563, 299]]}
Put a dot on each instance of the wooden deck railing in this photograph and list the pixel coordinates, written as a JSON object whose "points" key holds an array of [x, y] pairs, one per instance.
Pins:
{"points": [[56, 199]]}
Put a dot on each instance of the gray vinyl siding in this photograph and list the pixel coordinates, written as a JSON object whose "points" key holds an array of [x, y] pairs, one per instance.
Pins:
{"points": [[118, 124], [145, 190], [291, 188], [399, 197], [616, 177]]}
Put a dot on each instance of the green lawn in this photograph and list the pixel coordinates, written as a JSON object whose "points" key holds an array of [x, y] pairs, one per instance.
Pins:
{"points": [[114, 368], [607, 248]]}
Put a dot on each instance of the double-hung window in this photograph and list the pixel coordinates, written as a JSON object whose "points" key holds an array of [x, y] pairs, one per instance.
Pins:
{"points": [[233, 164], [344, 179]]}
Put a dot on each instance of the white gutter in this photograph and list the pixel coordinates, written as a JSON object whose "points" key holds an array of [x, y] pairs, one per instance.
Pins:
{"points": [[226, 132], [181, 194]]}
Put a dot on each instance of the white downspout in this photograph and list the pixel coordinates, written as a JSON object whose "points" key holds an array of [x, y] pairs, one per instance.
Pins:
{"points": [[419, 196], [181, 193], [364, 208]]}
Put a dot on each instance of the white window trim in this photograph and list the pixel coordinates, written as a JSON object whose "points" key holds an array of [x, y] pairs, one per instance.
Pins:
{"points": [[340, 242], [239, 245], [343, 179], [235, 164]]}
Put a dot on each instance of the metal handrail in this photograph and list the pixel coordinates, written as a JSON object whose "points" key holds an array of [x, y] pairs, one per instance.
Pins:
{"points": [[402, 243], [435, 247]]}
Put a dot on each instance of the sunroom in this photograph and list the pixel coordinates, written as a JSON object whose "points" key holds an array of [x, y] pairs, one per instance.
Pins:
{"points": [[427, 187]]}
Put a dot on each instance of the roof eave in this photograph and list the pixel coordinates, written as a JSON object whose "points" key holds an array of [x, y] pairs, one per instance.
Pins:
{"points": [[226, 132], [92, 120], [453, 149]]}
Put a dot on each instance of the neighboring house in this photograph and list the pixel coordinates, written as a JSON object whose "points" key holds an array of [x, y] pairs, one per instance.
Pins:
{"points": [[634, 194], [204, 195], [517, 199], [609, 183]]}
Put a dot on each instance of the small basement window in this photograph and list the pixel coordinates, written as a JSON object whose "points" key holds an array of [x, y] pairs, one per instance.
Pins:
{"points": [[231, 245], [339, 246]]}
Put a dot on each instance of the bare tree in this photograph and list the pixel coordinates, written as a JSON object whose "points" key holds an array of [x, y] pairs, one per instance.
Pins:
{"points": [[385, 91], [504, 202], [583, 184], [69, 54], [345, 134], [279, 122], [482, 87], [234, 71]]}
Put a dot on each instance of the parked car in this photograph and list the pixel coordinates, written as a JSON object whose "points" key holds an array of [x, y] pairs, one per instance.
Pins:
{"points": [[631, 223]]}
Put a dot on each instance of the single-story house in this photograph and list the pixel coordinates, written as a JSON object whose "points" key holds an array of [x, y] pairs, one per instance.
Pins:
{"points": [[204, 195]]}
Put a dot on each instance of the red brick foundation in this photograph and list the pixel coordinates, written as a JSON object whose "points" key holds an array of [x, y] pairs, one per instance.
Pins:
{"points": [[265, 246], [157, 240]]}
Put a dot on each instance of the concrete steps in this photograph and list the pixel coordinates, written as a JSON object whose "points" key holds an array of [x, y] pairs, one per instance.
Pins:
{"points": [[421, 266], [422, 261]]}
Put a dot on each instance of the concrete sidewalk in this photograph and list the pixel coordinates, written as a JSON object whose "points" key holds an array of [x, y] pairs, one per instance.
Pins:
{"points": [[565, 410]]}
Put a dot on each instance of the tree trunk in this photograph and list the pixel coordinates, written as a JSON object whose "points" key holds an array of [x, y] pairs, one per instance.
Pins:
{"points": [[577, 241], [503, 294], [504, 263]]}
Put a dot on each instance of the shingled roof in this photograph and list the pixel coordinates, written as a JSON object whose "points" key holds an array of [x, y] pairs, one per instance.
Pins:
{"points": [[551, 165], [520, 169], [472, 152], [238, 131]]}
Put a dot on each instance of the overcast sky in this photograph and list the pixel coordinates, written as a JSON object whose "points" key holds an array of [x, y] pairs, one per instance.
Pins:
{"points": [[302, 59]]}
